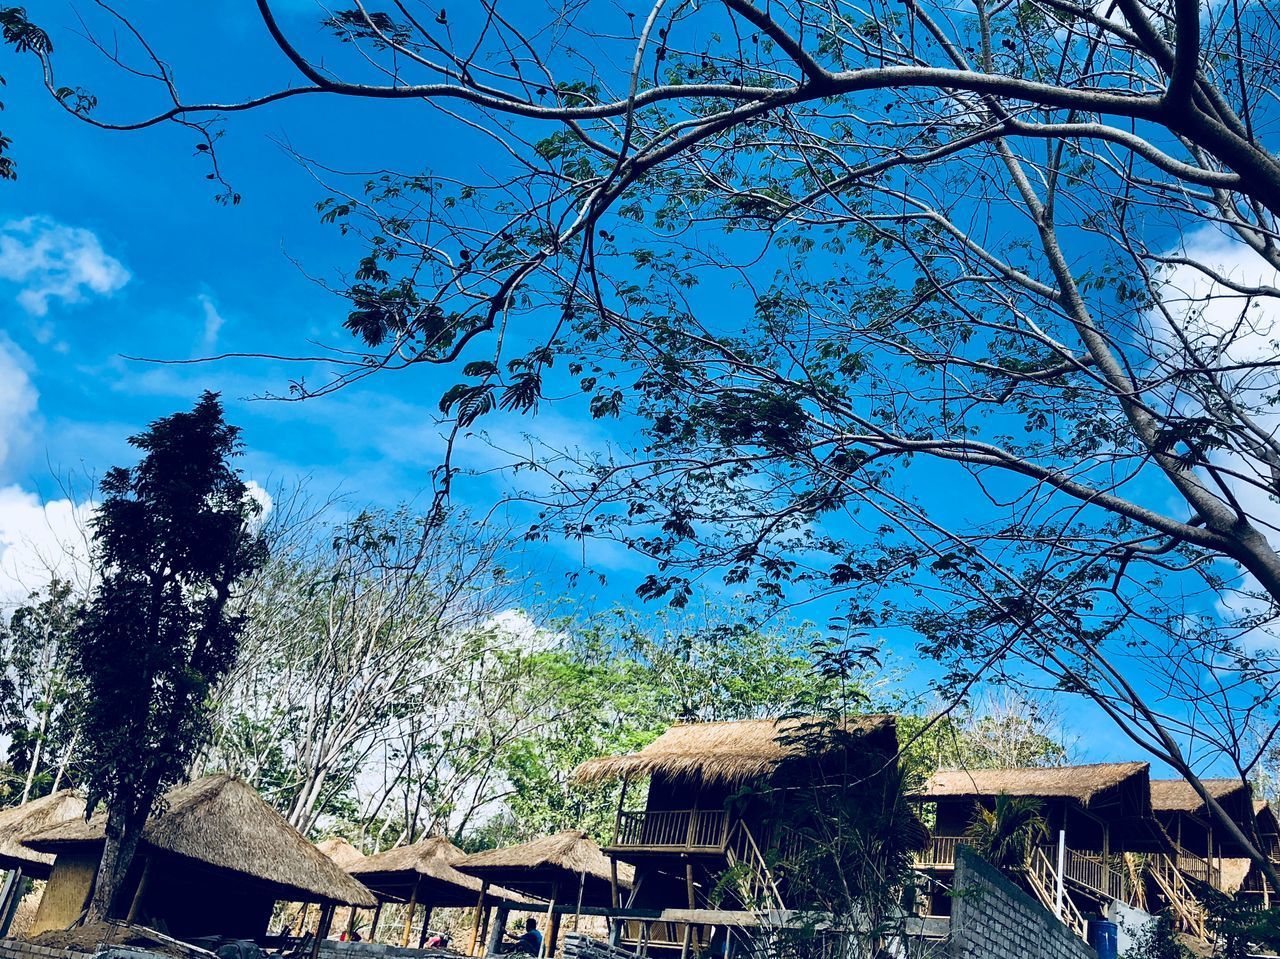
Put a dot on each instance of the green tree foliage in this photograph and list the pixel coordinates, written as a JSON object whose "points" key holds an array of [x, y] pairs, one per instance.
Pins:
{"points": [[174, 535], [1005, 834], [617, 683], [24, 36], [1158, 940], [34, 702]]}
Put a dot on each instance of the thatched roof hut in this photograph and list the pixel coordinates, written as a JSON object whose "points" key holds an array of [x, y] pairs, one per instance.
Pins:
{"points": [[552, 868], [221, 821], [340, 851], [19, 822], [425, 873], [732, 753]]}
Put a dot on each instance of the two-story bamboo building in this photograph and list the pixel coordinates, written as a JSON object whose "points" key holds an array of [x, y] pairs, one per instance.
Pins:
{"points": [[722, 799], [1097, 817]]}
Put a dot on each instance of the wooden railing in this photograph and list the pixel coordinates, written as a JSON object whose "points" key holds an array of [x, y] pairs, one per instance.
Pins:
{"points": [[941, 851], [1197, 867], [642, 932], [1042, 876], [1186, 909], [1104, 876], [684, 829]]}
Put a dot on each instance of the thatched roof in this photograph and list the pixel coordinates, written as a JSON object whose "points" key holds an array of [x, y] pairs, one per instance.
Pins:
{"points": [[340, 851], [1178, 795], [540, 866], [1079, 783], [221, 821], [18, 822], [429, 867], [734, 752]]}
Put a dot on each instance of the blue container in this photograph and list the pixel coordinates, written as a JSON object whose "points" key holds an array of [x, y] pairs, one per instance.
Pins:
{"points": [[1103, 936]]}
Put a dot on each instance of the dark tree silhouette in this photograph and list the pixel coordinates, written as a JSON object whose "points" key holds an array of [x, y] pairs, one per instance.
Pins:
{"points": [[174, 535]]}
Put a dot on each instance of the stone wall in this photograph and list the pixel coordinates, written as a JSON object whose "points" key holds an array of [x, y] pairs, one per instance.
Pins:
{"points": [[21, 949], [991, 918]]}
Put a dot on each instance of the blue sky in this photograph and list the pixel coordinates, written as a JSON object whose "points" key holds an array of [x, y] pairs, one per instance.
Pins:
{"points": [[112, 245], [94, 270]]}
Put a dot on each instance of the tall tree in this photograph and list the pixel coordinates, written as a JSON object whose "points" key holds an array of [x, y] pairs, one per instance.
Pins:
{"points": [[993, 327], [174, 536], [35, 709]]}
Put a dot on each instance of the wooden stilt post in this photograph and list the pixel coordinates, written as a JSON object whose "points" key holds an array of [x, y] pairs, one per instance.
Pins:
{"points": [[582, 888], [322, 929], [11, 897], [302, 919], [494, 939], [408, 917], [475, 926], [138, 893], [373, 925], [426, 921], [553, 923]]}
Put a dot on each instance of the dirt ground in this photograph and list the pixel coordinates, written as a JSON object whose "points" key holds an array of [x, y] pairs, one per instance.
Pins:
{"points": [[88, 938]]}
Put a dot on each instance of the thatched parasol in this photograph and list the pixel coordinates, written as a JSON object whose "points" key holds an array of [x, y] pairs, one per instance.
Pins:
{"points": [[550, 865], [563, 869], [340, 851], [222, 822], [424, 871], [19, 822], [737, 752]]}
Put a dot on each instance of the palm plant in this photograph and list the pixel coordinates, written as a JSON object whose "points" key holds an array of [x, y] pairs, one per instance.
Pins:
{"points": [[1005, 835]]}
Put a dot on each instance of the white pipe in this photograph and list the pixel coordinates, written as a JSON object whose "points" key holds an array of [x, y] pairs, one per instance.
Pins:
{"points": [[1062, 867]]}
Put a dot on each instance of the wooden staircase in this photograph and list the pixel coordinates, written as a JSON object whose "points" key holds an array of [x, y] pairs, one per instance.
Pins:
{"points": [[1042, 877], [757, 887], [1177, 892]]}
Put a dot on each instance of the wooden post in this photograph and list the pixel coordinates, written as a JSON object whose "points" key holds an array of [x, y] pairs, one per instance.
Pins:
{"points": [[582, 888], [475, 926], [426, 921], [322, 928], [484, 927], [10, 898], [373, 926], [302, 920], [688, 879], [138, 893], [494, 939], [548, 940], [408, 917]]}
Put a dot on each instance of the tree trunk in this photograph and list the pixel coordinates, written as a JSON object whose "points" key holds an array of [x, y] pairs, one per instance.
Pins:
{"points": [[122, 835]]}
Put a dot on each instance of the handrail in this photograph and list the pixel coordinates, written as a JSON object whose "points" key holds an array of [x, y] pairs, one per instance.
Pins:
{"points": [[759, 883], [1043, 879], [1165, 871], [687, 829]]}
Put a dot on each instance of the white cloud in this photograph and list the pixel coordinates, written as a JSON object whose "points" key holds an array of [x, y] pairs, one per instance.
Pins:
{"points": [[18, 398], [520, 630], [1245, 329], [40, 540], [51, 261], [213, 321]]}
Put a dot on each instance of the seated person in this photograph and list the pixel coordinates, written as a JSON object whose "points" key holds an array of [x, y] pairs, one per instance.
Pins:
{"points": [[528, 944]]}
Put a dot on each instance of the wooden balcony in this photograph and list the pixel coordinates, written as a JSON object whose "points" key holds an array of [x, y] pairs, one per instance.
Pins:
{"points": [[672, 830], [1091, 873], [941, 852], [642, 934]]}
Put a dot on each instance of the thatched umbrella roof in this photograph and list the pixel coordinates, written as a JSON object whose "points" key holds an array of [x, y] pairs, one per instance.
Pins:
{"points": [[429, 867], [1083, 784], [552, 863], [1178, 795], [340, 851], [738, 752], [222, 822], [18, 822]]}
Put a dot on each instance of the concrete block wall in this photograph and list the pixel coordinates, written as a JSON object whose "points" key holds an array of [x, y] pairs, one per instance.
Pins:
{"points": [[991, 918], [21, 949]]}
